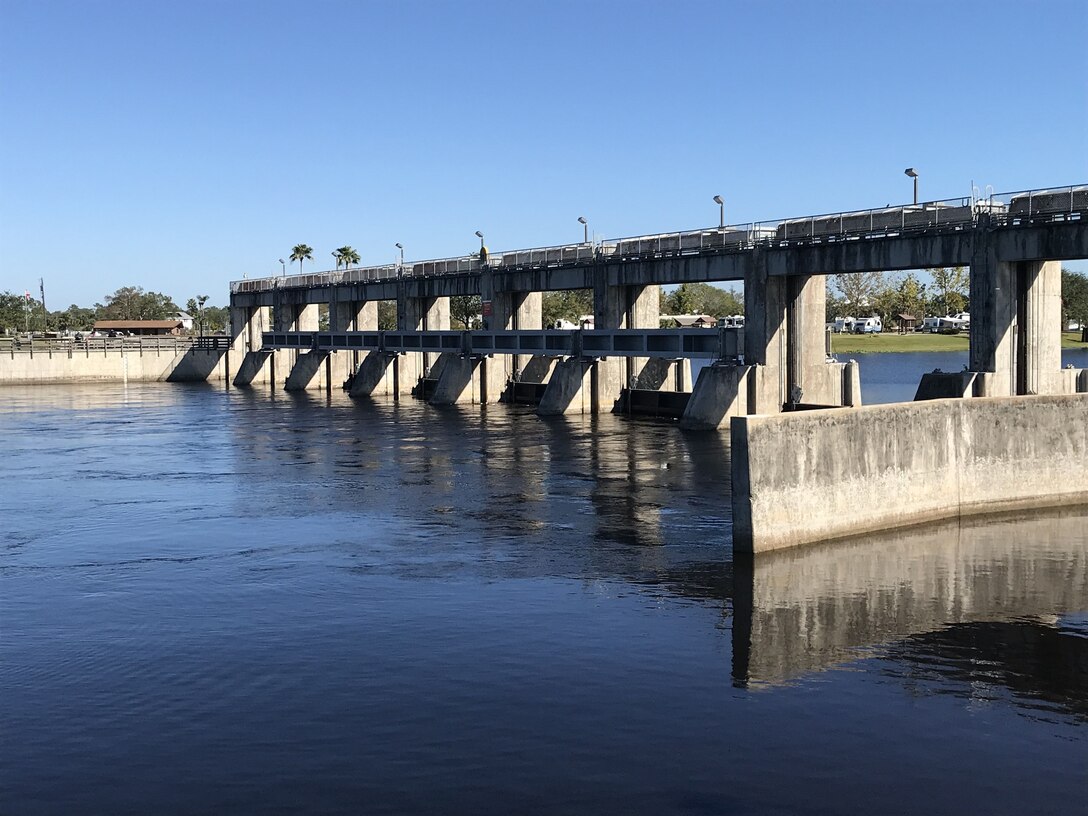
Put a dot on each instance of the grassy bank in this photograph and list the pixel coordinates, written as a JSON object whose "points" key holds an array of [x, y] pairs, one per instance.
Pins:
{"points": [[917, 341]]}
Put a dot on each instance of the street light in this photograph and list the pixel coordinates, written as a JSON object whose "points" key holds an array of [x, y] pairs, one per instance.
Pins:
{"points": [[338, 259], [480, 235], [398, 246], [201, 300], [585, 229], [283, 265], [910, 171], [721, 211]]}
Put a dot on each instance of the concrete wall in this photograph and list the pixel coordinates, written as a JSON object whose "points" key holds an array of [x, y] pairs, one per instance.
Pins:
{"points": [[812, 476], [152, 365]]}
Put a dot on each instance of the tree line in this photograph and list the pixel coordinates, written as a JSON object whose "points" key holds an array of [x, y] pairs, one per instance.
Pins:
{"points": [[22, 313]]}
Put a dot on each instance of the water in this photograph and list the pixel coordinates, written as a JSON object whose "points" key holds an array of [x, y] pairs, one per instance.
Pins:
{"points": [[217, 602], [894, 377]]}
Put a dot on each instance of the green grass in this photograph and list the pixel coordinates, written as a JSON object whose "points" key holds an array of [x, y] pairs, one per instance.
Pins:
{"points": [[917, 341]]}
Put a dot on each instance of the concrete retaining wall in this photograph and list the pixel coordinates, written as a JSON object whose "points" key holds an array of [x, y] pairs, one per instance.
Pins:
{"points": [[818, 475], [113, 365]]}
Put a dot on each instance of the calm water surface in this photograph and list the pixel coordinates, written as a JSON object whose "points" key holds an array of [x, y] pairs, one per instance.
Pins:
{"points": [[231, 602]]}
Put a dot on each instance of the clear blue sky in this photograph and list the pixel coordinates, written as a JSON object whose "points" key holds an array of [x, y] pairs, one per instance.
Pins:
{"points": [[179, 145]]}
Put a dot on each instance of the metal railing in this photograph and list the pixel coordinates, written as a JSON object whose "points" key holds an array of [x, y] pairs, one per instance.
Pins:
{"points": [[671, 344], [1003, 209], [53, 345]]}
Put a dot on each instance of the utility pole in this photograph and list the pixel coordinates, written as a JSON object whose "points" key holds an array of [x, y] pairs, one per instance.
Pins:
{"points": [[45, 311]]}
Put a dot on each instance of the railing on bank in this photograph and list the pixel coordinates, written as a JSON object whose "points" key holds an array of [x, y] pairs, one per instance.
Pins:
{"points": [[54, 345], [1022, 208]]}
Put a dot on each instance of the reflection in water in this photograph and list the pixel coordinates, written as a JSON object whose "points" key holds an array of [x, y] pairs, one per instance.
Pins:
{"points": [[940, 602]]}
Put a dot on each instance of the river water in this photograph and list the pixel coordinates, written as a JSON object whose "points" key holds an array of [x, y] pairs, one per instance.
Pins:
{"points": [[220, 601]]}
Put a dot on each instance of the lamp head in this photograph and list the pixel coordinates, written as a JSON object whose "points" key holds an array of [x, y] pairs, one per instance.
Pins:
{"points": [[581, 219], [718, 199], [479, 234], [398, 246], [910, 171]]}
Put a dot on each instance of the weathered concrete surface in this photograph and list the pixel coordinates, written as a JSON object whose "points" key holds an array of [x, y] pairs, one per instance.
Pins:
{"points": [[807, 609], [149, 365], [306, 372], [568, 390], [458, 381], [255, 369], [721, 392], [419, 314], [200, 365], [374, 376], [812, 476]]}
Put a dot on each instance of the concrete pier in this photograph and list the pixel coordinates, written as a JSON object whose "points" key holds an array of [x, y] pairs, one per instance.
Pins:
{"points": [[570, 388], [418, 314]]}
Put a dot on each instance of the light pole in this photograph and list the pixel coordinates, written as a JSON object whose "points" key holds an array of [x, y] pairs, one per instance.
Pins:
{"points": [[721, 211], [910, 171], [401, 267], [338, 259], [480, 235], [585, 229], [201, 300], [283, 267]]}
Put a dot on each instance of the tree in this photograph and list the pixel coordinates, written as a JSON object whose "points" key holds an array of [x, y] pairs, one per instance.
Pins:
{"points": [[133, 303], [195, 308], [300, 253], [702, 298], [216, 318], [858, 289], [347, 256], [13, 312], [569, 305], [951, 285], [1074, 298], [387, 315], [74, 318], [465, 311]]}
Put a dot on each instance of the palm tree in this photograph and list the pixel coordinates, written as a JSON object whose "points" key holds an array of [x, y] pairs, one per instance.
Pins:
{"points": [[347, 256], [300, 253]]}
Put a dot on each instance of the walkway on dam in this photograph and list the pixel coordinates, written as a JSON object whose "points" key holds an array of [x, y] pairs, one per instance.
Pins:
{"points": [[907, 230]]}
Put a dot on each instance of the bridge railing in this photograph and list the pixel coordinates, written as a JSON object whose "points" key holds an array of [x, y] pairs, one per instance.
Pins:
{"points": [[1009, 209], [722, 344], [954, 213], [1039, 206]]}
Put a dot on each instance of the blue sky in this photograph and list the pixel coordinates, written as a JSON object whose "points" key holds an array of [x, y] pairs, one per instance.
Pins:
{"points": [[181, 145]]}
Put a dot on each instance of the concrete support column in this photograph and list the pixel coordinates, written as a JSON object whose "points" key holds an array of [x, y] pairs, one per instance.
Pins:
{"points": [[246, 360], [1015, 324], [348, 315], [418, 314], [294, 317], [784, 337], [1040, 336], [765, 330], [625, 307], [511, 311], [993, 287]]}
